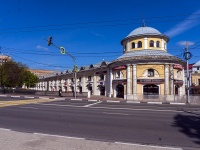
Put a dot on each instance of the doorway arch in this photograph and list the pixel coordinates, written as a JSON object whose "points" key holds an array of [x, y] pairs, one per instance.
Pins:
{"points": [[120, 90]]}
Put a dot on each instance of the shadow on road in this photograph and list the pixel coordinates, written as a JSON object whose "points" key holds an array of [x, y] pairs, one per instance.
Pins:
{"points": [[189, 125]]}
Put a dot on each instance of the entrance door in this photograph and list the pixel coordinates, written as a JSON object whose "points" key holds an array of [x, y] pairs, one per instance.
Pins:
{"points": [[80, 89], [102, 90], [120, 90]]}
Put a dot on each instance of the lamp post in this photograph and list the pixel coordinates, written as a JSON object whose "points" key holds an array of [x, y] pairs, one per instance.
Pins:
{"points": [[62, 51]]}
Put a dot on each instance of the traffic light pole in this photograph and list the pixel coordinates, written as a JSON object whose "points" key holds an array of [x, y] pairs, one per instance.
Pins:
{"points": [[74, 59]]}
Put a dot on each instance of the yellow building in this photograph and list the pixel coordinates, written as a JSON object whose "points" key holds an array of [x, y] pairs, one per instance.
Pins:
{"points": [[145, 71]]}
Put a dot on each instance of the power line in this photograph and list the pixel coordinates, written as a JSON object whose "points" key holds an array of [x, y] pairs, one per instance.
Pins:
{"points": [[98, 22], [94, 26]]}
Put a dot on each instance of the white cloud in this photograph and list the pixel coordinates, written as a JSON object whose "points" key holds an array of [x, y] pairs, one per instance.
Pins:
{"points": [[183, 43], [41, 47], [185, 25], [97, 34]]}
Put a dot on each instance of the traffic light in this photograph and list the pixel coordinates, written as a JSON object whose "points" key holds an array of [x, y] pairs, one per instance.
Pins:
{"points": [[49, 42]]}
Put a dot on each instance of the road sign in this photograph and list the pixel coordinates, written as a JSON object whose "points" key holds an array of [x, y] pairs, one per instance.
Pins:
{"points": [[62, 50]]}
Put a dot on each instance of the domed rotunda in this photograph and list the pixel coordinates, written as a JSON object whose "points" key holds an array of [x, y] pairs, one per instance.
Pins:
{"points": [[146, 70]]}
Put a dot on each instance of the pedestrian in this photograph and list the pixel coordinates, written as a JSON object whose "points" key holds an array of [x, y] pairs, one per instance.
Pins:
{"points": [[60, 92]]}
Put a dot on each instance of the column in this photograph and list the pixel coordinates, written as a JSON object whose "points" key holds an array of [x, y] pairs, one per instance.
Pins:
{"points": [[166, 79], [162, 44], [128, 79], [110, 82], [183, 78], [83, 84], [94, 85], [145, 43], [171, 79], [134, 80]]}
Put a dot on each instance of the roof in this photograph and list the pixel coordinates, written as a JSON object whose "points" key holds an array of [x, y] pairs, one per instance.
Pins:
{"points": [[144, 53], [144, 31], [146, 56], [197, 64]]}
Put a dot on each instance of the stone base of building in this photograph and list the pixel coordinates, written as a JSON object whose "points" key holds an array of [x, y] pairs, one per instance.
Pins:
{"points": [[152, 98]]}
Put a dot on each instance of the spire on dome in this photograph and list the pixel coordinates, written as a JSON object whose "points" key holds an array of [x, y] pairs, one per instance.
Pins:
{"points": [[143, 23]]}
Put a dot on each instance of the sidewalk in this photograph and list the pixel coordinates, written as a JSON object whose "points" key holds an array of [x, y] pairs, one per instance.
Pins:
{"points": [[12, 140]]}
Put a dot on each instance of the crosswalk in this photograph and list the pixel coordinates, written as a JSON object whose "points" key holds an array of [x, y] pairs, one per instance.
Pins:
{"points": [[24, 102]]}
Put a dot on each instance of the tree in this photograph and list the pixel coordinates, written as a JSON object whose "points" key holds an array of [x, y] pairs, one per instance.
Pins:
{"points": [[15, 74], [30, 79]]}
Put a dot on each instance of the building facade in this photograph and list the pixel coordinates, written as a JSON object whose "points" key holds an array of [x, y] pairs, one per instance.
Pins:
{"points": [[145, 70]]}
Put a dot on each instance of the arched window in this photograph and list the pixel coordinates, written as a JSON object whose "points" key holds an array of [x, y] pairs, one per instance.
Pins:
{"points": [[150, 73], [133, 45], [158, 44], [151, 43], [139, 44]]}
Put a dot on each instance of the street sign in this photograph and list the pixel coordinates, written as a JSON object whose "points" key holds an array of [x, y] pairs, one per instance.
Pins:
{"points": [[62, 50]]}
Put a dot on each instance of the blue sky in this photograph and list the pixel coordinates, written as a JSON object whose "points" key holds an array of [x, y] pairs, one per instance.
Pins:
{"points": [[91, 30]]}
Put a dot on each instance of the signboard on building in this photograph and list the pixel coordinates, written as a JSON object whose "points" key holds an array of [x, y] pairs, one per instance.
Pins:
{"points": [[150, 81], [119, 68], [177, 66], [119, 81]]}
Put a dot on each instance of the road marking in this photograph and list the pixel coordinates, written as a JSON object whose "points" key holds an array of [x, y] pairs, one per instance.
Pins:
{"points": [[23, 102], [115, 113], [76, 99], [59, 136], [28, 97], [110, 101], [4, 129], [60, 105], [154, 102], [91, 100], [15, 96], [151, 146], [29, 107], [137, 109], [92, 104]]}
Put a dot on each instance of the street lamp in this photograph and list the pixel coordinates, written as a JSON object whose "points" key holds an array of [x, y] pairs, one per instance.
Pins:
{"points": [[63, 51]]}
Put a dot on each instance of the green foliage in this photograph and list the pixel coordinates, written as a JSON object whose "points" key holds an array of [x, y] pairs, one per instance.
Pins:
{"points": [[15, 74]]}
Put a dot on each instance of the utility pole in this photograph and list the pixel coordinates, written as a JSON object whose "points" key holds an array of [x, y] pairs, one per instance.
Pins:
{"points": [[62, 51], [187, 56]]}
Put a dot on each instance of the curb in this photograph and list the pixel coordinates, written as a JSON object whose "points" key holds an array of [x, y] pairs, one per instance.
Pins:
{"points": [[95, 100]]}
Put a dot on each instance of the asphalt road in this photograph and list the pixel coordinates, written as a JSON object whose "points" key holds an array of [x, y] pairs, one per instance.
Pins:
{"points": [[165, 125]]}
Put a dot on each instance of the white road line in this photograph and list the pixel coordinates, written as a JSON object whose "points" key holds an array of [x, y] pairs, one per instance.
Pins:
{"points": [[92, 104], [60, 105], [177, 103], [28, 107], [3, 95], [5, 129], [154, 102], [15, 96], [115, 113], [59, 136], [110, 101], [76, 99], [152, 146], [136, 109], [28, 97], [91, 100]]}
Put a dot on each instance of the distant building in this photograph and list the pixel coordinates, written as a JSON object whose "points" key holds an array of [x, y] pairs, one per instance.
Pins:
{"points": [[4, 59], [195, 78], [41, 73]]}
